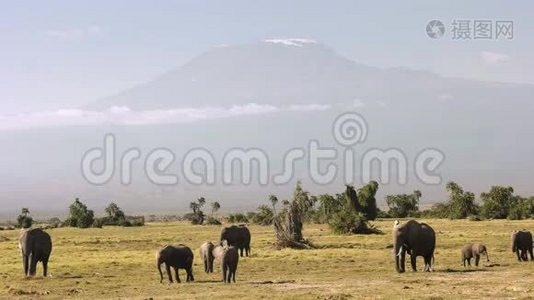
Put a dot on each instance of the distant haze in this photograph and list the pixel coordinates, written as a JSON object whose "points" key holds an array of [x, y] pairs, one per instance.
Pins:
{"points": [[273, 95]]}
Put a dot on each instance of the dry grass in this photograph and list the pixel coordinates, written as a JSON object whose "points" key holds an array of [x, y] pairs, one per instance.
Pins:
{"points": [[120, 263]]}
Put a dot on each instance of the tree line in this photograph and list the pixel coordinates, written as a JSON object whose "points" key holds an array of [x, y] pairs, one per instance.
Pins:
{"points": [[82, 217]]}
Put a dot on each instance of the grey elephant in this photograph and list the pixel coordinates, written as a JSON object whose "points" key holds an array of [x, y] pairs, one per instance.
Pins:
{"points": [[230, 259], [521, 244], [237, 236], [206, 253], [177, 257], [416, 239], [473, 250], [35, 246]]}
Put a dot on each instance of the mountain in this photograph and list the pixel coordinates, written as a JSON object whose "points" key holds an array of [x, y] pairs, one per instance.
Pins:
{"points": [[483, 128], [267, 72]]}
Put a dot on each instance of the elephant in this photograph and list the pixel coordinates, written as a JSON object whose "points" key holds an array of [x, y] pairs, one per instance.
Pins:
{"points": [[36, 246], [229, 261], [238, 236], [418, 239], [473, 250], [521, 244], [206, 253], [178, 257], [218, 252]]}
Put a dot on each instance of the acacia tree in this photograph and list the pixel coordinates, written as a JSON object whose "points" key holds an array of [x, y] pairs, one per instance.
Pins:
{"points": [[498, 202], [351, 217], [115, 213], [367, 200], [215, 206], [461, 204], [403, 205], [24, 220], [198, 215], [80, 216]]}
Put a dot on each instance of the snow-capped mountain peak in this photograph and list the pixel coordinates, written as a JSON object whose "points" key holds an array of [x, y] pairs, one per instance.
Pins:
{"points": [[297, 42]]}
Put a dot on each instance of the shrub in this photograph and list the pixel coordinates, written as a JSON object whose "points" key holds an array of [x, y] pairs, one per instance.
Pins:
{"points": [[80, 216], [237, 218], [54, 222], [212, 221], [99, 222], [474, 218], [348, 222]]}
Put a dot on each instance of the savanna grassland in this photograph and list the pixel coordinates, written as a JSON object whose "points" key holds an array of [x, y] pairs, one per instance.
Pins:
{"points": [[116, 262]]}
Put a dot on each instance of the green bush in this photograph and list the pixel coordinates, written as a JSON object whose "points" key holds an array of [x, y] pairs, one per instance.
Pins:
{"points": [[348, 222], [212, 221], [237, 218]]}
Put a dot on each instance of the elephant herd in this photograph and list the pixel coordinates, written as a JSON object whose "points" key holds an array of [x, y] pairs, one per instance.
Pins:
{"points": [[412, 238], [419, 239], [233, 239]]}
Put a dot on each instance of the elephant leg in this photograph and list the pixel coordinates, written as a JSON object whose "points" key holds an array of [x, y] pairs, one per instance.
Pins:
{"points": [[403, 261], [33, 265], [168, 268], [190, 273], [413, 261], [26, 264], [45, 268], [206, 266], [224, 268], [477, 259], [530, 251], [469, 261], [241, 251], [233, 275], [464, 260], [428, 263], [177, 275]]}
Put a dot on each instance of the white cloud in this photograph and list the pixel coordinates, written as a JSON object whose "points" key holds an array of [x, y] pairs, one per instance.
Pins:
{"points": [[358, 103], [445, 96], [74, 34], [492, 58], [121, 115], [309, 107], [291, 42], [382, 104]]}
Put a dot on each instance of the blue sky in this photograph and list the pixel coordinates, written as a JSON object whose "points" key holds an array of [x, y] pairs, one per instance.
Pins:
{"points": [[57, 54]]}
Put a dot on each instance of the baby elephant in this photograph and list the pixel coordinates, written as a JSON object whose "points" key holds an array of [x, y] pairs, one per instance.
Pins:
{"points": [[473, 250], [177, 257], [230, 258], [206, 253]]}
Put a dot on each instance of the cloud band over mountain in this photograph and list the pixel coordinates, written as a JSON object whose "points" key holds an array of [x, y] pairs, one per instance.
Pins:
{"points": [[122, 115]]}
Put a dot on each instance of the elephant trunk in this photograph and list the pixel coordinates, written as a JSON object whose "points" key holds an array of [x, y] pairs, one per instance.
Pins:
{"points": [[487, 256]]}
